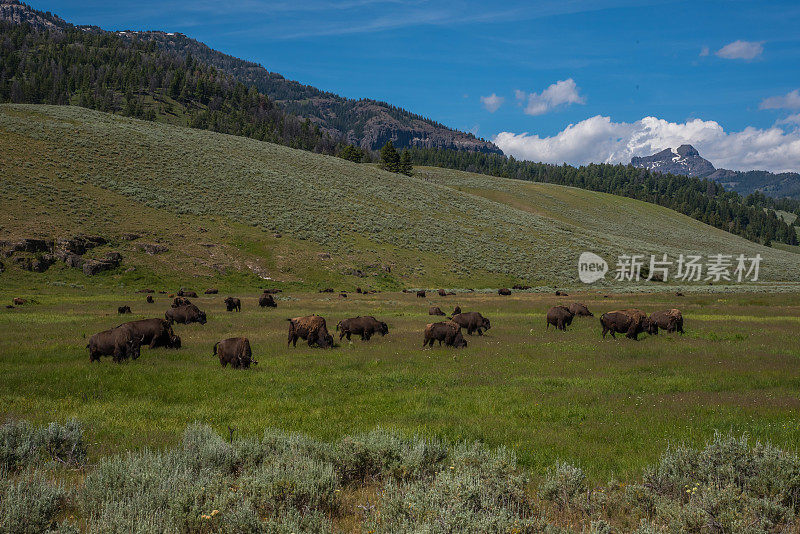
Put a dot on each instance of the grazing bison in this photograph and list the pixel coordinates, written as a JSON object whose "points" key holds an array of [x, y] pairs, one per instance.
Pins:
{"points": [[153, 333], [118, 343], [580, 310], [342, 295], [560, 317], [456, 310], [212, 291], [358, 290], [504, 291], [232, 303], [185, 293], [435, 310], [235, 351], [180, 301], [520, 287], [311, 328], [421, 294], [365, 327], [18, 301], [446, 331], [442, 293], [326, 290], [630, 322], [472, 321], [185, 315], [150, 299], [124, 309], [266, 301], [669, 320], [561, 294]]}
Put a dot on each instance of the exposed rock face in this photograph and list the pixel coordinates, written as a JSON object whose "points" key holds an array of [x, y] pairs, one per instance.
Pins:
{"points": [[683, 160], [36, 264], [112, 260], [13, 11], [25, 245]]}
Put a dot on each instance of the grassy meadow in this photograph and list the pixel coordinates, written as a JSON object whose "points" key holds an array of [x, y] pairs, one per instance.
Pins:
{"points": [[609, 406]]}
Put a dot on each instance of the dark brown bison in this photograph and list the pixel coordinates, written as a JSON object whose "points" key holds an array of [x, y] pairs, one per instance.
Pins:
{"points": [[521, 287], [311, 328], [150, 299], [326, 290], [630, 322], [235, 351], [358, 290], [435, 310], [211, 291], [445, 331], [561, 294], [580, 310], [365, 327], [124, 309], [560, 317], [456, 310], [186, 293], [185, 315], [18, 301], [442, 293], [118, 343], [669, 320], [266, 301], [180, 301], [232, 303], [342, 295], [472, 321], [153, 333], [504, 291], [421, 294]]}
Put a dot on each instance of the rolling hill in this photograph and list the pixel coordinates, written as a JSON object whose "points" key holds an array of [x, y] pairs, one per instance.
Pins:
{"points": [[217, 202]]}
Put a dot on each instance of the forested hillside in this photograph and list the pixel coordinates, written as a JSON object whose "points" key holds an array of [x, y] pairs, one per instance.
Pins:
{"points": [[753, 217]]}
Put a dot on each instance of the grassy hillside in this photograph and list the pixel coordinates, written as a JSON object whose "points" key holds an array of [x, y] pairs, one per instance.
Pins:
{"points": [[70, 169]]}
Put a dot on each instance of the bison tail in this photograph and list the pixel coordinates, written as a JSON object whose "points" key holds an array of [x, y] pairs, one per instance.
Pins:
{"points": [[215, 348]]}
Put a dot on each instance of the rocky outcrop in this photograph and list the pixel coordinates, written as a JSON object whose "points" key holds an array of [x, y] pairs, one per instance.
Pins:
{"points": [[112, 260], [683, 160]]}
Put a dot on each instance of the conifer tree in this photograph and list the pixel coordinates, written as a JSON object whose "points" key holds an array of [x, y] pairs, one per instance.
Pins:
{"points": [[390, 160]]}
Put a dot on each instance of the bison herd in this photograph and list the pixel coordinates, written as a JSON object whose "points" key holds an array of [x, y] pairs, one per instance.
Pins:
{"points": [[125, 340]]}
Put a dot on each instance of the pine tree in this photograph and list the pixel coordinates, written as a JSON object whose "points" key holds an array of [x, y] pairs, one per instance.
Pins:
{"points": [[390, 160], [405, 163]]}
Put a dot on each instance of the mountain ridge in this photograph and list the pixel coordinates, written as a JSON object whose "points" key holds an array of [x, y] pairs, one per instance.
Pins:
{"points": [[686, 160]]}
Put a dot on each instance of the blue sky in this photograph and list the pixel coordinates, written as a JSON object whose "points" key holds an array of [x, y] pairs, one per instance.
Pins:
{"points": [[718, 74]]}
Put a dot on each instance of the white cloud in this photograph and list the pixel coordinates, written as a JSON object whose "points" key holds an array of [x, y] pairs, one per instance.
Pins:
{"points": [[563, 92], [790, 100], [598, 139], [704, 51], [492, 102], [791, 119], [741, 50]]}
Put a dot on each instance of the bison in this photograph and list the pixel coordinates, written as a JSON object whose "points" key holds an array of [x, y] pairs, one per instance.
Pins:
{"points": [[232, 303], [435, 310], [18, 301], [266, 301], [504, 291], [311, 328], [150, 299], [630, 322], [456, 310], [580, 310], [124, 309], [561, 294], [118, 343], [560, 317], [446, 331], [669, 320], [442, 293], [211, 291], [365, 327], [186, 293], [472, 321], [421, 294], [180, 301], [235, 351], [185, 315], [153, 333]]}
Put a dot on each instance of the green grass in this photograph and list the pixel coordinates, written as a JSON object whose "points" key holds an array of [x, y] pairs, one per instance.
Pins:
{"points": [[609, 406], [101, 172]]}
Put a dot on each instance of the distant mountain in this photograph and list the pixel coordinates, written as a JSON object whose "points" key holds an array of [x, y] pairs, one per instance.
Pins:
{"points": [[686, 160], [363, 122]]}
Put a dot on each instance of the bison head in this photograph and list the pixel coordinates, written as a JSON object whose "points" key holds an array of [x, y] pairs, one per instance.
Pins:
{"points": [[174, 342], [459, 342], [650, 326], [325, 341], [486, 324], [201, 317], [384, 329]]}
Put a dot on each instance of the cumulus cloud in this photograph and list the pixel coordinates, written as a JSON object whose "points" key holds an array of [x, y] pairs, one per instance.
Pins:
{"points": [[599, 139], [704, 51], [492, 102], [790, 100], [741, 50], [791, 119], [561, 93]]}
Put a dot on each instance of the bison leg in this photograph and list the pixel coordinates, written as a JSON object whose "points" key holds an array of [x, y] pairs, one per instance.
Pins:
{"points": [[341, 334], [365, 336], [480, 332], [348, 335]]}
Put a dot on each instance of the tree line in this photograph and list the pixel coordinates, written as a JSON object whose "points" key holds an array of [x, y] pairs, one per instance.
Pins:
{"points": [[753, 218]]}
